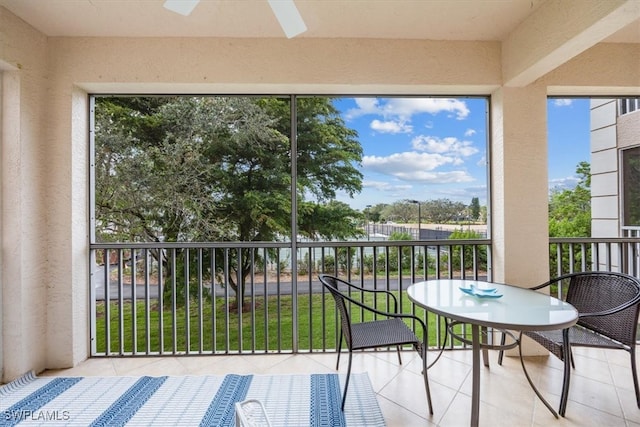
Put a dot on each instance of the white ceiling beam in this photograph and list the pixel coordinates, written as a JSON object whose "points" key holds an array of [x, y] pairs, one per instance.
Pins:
{"points": [[559, 31]]}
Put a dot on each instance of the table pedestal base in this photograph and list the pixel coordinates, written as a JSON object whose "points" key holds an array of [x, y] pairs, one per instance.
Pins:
{"points": [[479, 342]]}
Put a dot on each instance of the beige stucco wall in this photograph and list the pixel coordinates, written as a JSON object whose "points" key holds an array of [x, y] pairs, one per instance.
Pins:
{"points": [[24, 234], [519, 189], [277, 65], [606, 69], [45, 224], [629, 129]]}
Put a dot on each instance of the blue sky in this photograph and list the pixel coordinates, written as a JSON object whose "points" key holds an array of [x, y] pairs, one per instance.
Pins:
{"points": [[431, 148], [569, 139]]}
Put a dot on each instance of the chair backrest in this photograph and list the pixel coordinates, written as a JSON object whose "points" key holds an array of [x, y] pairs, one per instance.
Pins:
{"points": [[251, 413], [332, 284], [598, 291]]}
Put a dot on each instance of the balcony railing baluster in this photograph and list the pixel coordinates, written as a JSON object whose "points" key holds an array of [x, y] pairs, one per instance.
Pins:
{"points": [[144, 307], [121, 340]]}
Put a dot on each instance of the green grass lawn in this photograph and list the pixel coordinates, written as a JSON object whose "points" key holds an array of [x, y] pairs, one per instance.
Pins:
{"points": [[212, 327]]}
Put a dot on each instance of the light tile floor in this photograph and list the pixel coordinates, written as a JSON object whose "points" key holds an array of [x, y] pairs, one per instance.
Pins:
{"points": [[601, 391]]}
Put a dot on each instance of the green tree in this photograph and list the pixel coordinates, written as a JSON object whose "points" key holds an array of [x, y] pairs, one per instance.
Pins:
{"points": [[404, 256], [468, 252], [152, 183], [373, 213], [570, 209], [441, 211], [333, 220], [474, 209], [570, 216], [219, 168], [401, 211]]}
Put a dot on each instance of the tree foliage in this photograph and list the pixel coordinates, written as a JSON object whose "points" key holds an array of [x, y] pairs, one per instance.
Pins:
{"points": [[401, 255], [400, 211], [570, 216], [474, 209], [438, 211], [470, 254], [570, 209], [441, 211], [333, 220], [180, 169], [374, 213]]}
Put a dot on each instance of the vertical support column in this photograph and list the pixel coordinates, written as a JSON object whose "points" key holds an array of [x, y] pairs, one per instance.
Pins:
{"points": [[1, 252], [519, 180], [67, 336], [1, 216], [13, 313], [23, 260]]}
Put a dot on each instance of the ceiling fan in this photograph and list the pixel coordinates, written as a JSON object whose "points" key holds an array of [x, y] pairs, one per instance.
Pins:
{"points": [[285, 11]]}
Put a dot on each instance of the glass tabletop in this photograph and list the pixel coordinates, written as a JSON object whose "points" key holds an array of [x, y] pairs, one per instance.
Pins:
{"points": [[517, 308]]}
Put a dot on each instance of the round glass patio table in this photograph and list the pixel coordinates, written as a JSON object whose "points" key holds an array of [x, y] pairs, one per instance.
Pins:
{"points": [[518, 309]]}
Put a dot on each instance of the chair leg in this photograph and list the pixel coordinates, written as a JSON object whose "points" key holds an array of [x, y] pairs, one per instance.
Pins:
{"points": [[441, 347], [339, 350], [566, 350], [573, 363], [399, 358], [346, 384], [634, 372]]}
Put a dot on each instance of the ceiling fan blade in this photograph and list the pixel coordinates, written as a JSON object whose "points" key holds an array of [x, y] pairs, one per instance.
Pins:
{"points": [[288, 16], [183, 7]]}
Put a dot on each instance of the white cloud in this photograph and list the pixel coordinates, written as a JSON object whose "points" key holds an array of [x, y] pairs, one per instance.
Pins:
{"points": [[567, 183], [469, 132], [414, 166], [405, 108], [364, 106], [433, 144], [436, 177], [562, 102], [391, 126], [406, 160], [385, 186], [367, 104]]}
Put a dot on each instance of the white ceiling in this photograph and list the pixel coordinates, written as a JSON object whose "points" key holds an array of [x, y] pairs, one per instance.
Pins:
{"points": [[398, 19]]}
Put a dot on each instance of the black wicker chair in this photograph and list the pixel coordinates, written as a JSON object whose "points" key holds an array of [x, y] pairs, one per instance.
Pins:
{"points": [[388, 332], [608, 305]]}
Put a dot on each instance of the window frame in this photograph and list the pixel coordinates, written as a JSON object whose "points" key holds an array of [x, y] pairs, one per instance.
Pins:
{"points": [[625, 153]]}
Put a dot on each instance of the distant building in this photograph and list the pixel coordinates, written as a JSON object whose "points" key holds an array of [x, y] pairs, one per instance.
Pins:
{"points": [[615, 168]]}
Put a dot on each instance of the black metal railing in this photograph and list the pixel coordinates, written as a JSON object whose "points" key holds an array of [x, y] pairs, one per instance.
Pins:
{"points": [[568, 255], [264, 297], [248, 297]]}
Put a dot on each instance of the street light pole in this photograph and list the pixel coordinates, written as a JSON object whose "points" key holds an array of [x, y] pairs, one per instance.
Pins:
{"points": [[419, 215], [368, 207]]}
